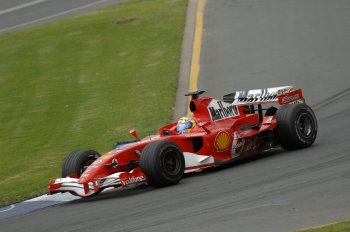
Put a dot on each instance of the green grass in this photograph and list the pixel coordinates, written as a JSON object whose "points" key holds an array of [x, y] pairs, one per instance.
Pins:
{"points": [[83, 83], [337, 227]]}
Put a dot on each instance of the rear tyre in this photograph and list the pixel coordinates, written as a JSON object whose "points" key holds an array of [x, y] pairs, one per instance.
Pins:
{"points": [[77, 162], [296, 126], [163, 163]]}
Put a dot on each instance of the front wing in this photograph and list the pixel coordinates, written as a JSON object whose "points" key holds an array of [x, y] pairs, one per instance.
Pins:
{"points": [[136, 176], [193, 162]]}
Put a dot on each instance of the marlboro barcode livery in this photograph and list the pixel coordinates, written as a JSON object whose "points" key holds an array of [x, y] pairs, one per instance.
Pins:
{"points": [[218, 132]]}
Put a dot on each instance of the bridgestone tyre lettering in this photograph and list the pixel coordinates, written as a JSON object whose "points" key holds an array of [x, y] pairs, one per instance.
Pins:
{"points": [[77, 161], [163, 163], [296, 126]]}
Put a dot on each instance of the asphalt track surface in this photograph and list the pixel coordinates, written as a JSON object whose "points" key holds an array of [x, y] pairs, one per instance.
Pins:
{"points": [[17, 14], [248, 44]]}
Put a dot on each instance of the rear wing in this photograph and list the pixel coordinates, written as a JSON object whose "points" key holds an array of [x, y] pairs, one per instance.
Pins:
{"points": [[282, 95]]}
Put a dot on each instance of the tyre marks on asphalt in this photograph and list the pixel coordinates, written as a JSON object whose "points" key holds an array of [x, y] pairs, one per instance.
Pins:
{"points": [[332, 99]]}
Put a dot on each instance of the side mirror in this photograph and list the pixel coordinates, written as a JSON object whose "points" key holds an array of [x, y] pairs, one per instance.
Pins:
{"points": [[134, 133], [204, 126]]}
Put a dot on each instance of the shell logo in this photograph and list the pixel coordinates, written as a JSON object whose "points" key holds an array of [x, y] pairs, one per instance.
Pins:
{"points": [[222, 141]]}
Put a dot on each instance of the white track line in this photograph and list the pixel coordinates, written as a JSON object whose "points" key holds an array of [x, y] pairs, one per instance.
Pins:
{"points": [[61, 197], [22, 6], [53, 16], [4, 210]]}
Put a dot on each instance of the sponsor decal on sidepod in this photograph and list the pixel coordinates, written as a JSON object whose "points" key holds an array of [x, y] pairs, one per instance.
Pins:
{"points": [[221, 110], [222, 141], [237, 146]]}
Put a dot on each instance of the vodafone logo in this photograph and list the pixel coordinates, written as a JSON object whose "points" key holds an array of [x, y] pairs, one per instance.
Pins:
{"points": [[133, 180]]}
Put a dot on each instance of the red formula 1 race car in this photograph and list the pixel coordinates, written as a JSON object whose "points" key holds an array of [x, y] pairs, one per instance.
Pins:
{"points": [[218, 132]]}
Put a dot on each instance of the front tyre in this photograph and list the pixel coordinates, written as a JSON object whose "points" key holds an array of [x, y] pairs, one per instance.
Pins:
{"points": [[296, 126], [163, 163], [77, 162]]}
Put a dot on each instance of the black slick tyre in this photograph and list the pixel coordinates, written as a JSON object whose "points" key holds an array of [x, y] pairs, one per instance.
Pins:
{"points": [[77, 161], [163, 163], [296, 126]]}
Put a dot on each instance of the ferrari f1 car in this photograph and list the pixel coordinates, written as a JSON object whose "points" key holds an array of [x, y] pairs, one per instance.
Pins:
{"points": [[234, 128]]}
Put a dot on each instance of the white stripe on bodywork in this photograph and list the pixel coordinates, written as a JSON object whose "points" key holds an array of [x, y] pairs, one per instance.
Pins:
{"points": [[193, 160]]}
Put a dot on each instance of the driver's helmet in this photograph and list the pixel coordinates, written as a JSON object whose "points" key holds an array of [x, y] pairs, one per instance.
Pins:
{"points": [[185, 124]]}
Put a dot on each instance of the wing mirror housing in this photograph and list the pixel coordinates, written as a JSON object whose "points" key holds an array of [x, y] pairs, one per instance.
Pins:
{"points": [[204, 126], [134, 133]]}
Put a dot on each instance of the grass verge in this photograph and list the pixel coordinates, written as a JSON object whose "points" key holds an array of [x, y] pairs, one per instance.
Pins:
{"points": [[337, 227], [82, 83]]}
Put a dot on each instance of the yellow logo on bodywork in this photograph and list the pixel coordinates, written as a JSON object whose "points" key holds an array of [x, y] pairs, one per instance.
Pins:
{"points": [[222, 141]]}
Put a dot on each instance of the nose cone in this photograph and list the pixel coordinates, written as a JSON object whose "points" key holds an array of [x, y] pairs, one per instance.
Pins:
{"points": [[85, 178], [96, 170]]}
